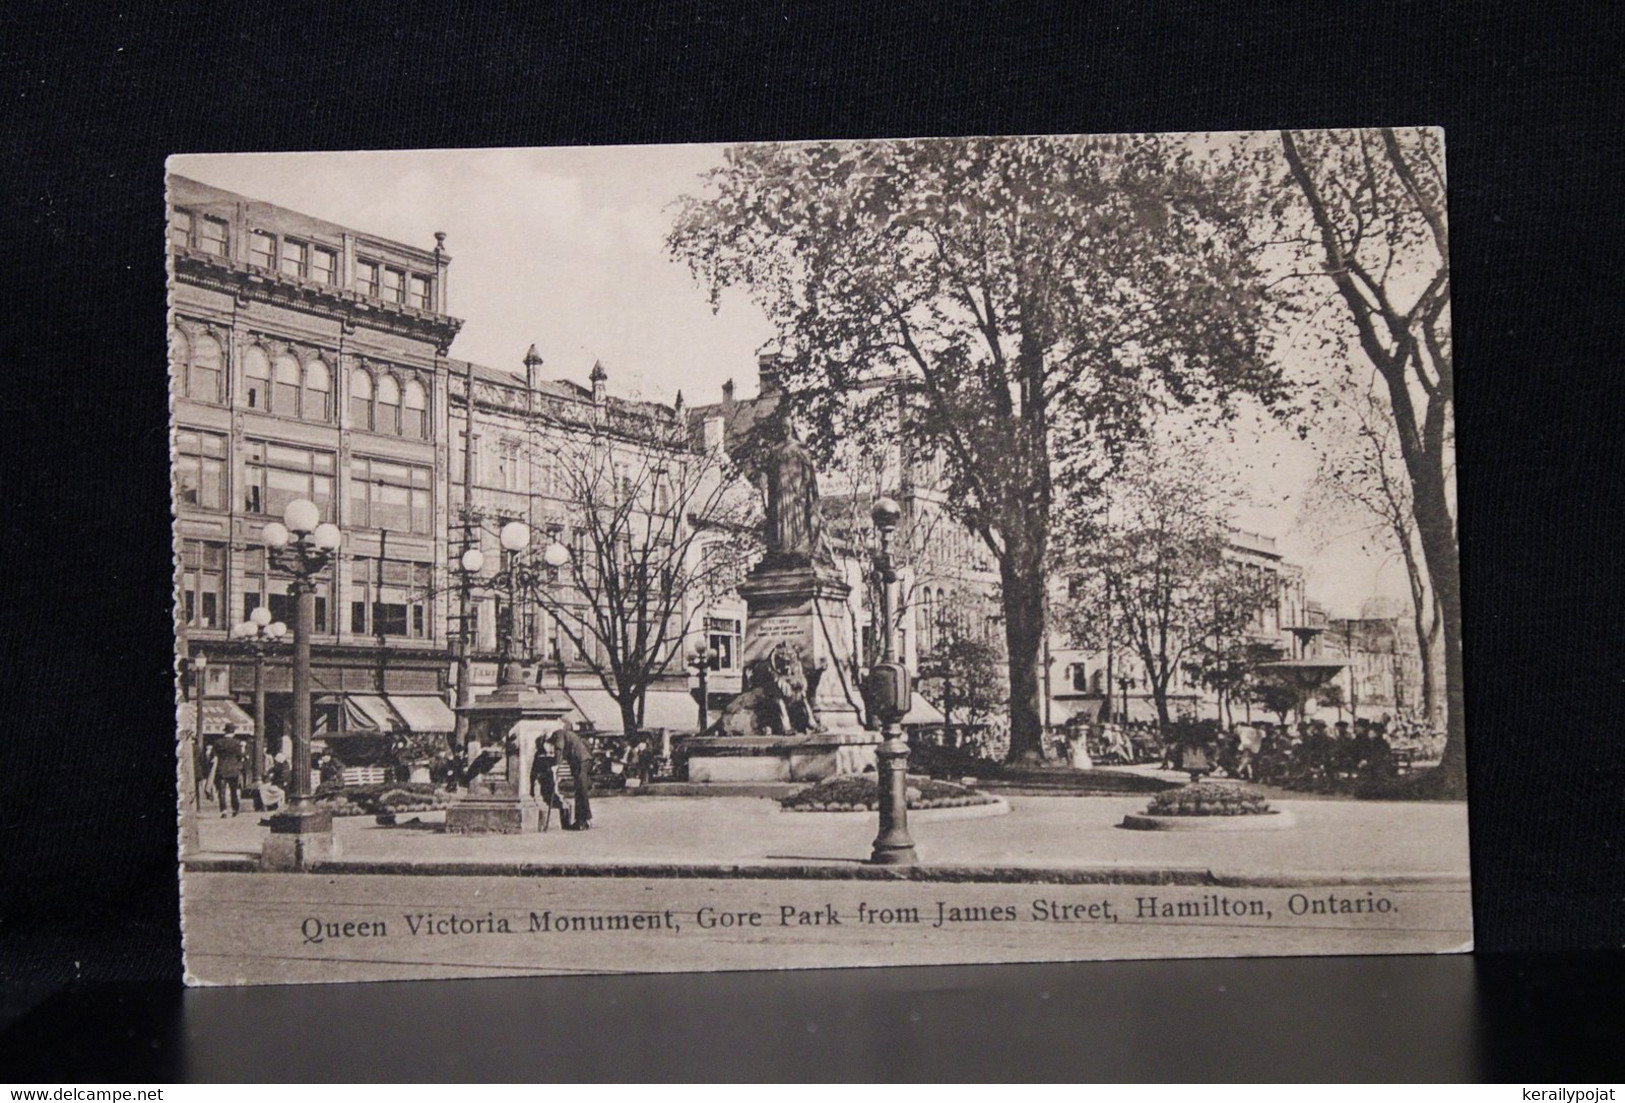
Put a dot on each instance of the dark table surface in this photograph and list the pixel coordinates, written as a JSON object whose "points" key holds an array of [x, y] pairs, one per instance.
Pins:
{"points": [[1529, 1018]]}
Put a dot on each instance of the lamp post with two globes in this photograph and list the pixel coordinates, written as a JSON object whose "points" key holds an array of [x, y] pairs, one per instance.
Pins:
{"points": [[518, 575], [301, 546], [261, 634]]}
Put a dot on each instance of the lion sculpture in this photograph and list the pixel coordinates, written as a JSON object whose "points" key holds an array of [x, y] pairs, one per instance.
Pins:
{"points": [[776, 700]]}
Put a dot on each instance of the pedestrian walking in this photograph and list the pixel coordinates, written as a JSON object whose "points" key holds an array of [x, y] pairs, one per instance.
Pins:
{"points": [[570, 747], [226, 774]]}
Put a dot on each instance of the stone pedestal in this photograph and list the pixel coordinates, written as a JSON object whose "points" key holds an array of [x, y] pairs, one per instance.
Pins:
{"points": [[299, 839], [805, 605], [498, 802], [798, 758]]}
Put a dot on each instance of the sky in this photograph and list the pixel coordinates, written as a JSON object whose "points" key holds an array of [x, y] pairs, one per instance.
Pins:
{"points": [[564, 248]]}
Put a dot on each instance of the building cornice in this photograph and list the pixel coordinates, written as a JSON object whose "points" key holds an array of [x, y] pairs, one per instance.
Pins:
{"points": [[250, 283]]}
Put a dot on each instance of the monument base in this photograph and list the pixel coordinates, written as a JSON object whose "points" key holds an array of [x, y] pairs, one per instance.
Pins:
{"points": [[299, 839], [494, 816], [795, 758]]}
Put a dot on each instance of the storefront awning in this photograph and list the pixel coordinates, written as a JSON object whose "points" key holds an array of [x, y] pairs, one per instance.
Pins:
{"points": [[921, 711], [423, 712], [661, 709], [217, 713], [365, 711]]}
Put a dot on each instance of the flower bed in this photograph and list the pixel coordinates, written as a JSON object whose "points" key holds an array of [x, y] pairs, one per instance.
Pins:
{"points": [[1204, 799], [391, 799], [862, 794]]}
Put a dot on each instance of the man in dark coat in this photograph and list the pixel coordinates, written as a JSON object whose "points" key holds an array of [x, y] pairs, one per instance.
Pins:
{"points": [[229, 757], [570, 747]]}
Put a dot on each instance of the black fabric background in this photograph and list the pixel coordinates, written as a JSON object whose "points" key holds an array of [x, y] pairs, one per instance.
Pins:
{"points": [[1530, 96]]}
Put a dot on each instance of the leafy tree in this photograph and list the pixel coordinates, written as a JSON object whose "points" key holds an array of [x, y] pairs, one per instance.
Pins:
{"points": [[1280, 698], [964, 675], [1375, 225], [1020, 307], [1159, 563]]}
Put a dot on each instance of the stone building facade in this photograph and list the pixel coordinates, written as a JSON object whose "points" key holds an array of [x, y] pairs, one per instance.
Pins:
{"points": [[307, 360]]}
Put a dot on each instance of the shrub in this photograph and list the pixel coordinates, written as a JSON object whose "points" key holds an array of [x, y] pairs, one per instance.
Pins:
{"points": [[1205, 799]]}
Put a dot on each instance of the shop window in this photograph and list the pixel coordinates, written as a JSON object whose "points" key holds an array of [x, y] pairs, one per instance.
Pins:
{"points": [[200, 469]]}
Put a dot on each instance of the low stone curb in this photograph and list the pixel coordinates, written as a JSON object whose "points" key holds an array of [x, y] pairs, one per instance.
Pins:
{"points": [[836, 871], [995, 807], [1257, 821]]}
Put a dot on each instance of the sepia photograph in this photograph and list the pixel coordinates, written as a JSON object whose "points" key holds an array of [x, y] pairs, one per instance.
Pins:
{"points": [[815, 554]]}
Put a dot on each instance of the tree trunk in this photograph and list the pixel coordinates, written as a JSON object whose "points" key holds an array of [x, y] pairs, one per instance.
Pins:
{"points": [[1438, 534], [1024, 638]]}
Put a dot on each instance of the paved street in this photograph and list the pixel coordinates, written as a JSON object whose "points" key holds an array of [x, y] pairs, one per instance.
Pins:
{"points": [[1330, 837], [1310, 888]]}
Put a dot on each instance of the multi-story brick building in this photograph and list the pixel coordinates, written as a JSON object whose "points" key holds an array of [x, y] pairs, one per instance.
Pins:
{"points": [[307, 361]]}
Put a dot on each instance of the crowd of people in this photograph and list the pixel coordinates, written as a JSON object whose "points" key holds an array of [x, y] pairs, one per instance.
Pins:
{"points": [[1310, 755]]}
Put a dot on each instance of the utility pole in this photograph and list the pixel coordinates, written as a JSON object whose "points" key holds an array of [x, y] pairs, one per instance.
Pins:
{"points": [[465, 663]]}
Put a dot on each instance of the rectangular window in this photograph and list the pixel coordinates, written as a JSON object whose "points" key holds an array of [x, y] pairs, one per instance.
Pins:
{"points": [[390, 496], [394, 278], [271, 590], [722, 634], [366, 277], [390, 597], [180, 228], [203, 583], [200, 469], [418, 291], [262, 249], [276, 474], [212, 236], [324, 265], [295, 256]]}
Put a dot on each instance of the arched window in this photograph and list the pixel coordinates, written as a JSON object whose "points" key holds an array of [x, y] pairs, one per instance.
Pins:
{"points": [[360, 400], [415, 411], [180, 351], [285, 385], [203, 382], [318, 389], [257, 378], [389, 405]]}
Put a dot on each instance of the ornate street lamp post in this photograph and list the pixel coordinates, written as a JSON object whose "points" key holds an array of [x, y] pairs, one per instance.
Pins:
{"points": [[889, 695], [471, 562], [700, 659], [261, 634], [301, 546], [518, 576], [1125, 683]]}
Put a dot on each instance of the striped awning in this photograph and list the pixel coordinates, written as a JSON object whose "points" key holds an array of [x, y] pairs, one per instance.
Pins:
{"points": [[217, 713], [367, 711], [423, 712]]}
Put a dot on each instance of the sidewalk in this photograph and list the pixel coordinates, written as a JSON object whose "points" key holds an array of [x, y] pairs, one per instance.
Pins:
{"points": [[1049, 839]]}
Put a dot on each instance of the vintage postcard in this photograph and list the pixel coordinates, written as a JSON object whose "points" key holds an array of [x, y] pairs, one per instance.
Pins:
{"points": [[807, 554]]}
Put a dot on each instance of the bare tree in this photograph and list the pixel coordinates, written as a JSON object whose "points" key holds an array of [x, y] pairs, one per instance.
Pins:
{"points": [[659, 530], [1158, 560], [1361, 478], [1376, 211]]}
